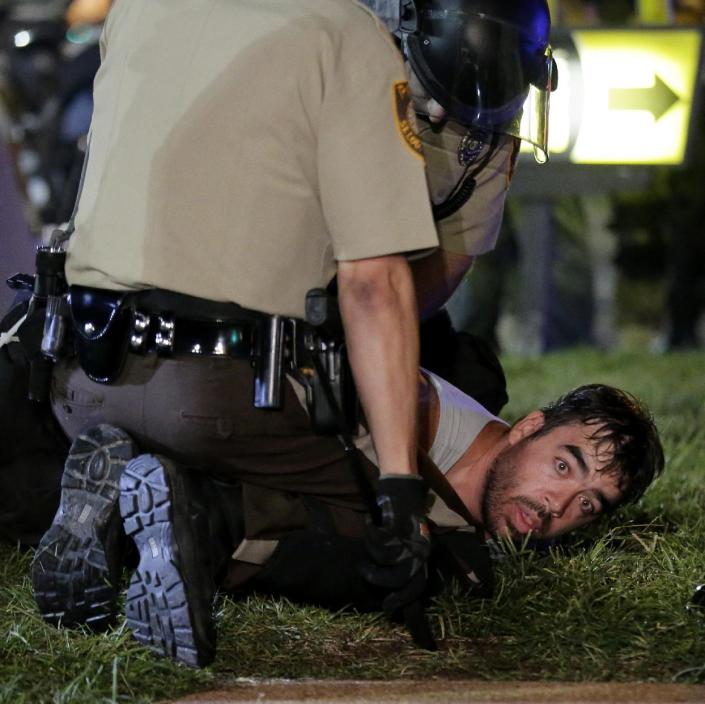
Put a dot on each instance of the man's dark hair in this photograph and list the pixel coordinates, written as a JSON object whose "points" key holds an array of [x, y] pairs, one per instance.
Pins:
{"points": [[624, 427]]}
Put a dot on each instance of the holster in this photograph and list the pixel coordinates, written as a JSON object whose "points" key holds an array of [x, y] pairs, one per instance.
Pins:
{"points": [[324, 339], [324, 418], [100, 324]]}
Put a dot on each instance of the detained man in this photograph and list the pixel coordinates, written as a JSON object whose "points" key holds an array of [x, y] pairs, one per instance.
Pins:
{"points": [[552, 472]]}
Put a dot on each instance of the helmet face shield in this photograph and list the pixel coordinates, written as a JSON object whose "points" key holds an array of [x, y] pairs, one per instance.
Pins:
{"points": [[532, 126], [483, 69]]}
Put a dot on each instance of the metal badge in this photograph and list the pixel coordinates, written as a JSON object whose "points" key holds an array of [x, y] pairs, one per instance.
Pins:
{"points": [[471, 146]]}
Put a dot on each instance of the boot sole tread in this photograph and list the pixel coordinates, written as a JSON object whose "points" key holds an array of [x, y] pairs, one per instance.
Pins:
{"points": [[72, 574], [157, 605]]}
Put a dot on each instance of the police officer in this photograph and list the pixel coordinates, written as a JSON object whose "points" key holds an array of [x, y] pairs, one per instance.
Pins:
{"points": [[240, 155]]}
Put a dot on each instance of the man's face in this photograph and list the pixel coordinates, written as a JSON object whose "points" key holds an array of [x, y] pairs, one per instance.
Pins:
{"points": [[550, 485]]}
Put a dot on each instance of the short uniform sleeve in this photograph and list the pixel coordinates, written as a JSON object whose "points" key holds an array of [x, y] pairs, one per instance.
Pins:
{"points": [[372, 176], [474, 228]]}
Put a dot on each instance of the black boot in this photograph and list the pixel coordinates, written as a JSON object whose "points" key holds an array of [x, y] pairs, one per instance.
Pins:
{"points": [[183, 542], [76, 569]]}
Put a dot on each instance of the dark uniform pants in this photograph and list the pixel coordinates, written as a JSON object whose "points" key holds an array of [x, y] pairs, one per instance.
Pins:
{"points": [[199, 411]]}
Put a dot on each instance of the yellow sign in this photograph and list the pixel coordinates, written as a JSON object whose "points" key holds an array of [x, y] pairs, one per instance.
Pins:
{"points": [[625, 96], [654, 11]]}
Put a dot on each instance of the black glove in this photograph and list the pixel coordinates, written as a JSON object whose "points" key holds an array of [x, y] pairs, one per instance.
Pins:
{"points": [[399, 547]]}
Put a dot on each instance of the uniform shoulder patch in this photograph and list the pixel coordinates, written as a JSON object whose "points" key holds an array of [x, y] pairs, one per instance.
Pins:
{"points": [[406, 118]]}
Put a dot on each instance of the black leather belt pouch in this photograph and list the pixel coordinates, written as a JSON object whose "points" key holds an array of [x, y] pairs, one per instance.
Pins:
{"points": [[101, 326], [325, 419]]}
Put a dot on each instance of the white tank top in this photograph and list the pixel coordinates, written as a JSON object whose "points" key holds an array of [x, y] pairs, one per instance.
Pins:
{"points": [[460, 422]]}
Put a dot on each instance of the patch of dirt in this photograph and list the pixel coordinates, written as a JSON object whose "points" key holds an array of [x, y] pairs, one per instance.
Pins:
{"points": [[449, 692]]}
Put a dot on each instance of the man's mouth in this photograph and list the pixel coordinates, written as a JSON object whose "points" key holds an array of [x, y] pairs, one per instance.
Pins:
{"points": [[524, 520]]}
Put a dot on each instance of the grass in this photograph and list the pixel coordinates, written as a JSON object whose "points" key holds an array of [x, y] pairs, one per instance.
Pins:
{"points": [[609, 605]]}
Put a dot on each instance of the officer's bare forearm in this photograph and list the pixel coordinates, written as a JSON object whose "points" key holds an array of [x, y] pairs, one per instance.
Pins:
{"points": [[378, 307], [436, 277]]}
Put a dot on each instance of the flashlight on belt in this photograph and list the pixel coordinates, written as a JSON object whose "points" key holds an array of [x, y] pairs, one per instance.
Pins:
{"points": [[50, 288], [269, 376]]}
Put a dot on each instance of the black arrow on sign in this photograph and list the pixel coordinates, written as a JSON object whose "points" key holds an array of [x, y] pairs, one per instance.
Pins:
{"points": [[658, 99]]}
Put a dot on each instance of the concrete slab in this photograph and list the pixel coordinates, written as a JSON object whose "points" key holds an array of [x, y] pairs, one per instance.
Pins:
{"points": [[449, 692]]}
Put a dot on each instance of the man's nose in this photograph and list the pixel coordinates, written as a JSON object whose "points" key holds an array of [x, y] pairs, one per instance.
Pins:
{"points": [[557, 504]]}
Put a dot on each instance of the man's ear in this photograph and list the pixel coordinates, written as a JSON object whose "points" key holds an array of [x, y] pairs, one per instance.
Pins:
{"points": [[526, 426]]}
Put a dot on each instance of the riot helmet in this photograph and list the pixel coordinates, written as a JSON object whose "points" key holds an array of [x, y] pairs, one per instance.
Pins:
{"points": [[481, 60]]}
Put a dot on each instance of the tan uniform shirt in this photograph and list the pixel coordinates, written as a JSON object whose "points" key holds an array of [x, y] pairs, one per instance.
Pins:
{"points": [[239, 149], [474, 228]]}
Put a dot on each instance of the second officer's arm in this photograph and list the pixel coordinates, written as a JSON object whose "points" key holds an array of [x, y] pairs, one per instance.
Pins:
{"points": [[436, 277]]}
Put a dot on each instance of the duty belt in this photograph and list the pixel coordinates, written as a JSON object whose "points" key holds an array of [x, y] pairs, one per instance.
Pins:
{"points": [[167, 334], [110, 324]]}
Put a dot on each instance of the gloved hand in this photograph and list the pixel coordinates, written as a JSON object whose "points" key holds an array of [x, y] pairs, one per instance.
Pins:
{"points": [[399, 547]]}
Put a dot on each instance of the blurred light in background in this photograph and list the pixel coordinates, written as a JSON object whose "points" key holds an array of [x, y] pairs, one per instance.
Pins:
{"points": [[22, 39], [624, 96]]}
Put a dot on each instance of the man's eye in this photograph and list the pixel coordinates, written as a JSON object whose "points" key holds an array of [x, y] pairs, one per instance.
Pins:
{"points": [[562, 467], [586, 506]]}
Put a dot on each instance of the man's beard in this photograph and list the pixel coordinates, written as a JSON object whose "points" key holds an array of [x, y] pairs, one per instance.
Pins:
{"points": [[500, 485], [501, 479]]}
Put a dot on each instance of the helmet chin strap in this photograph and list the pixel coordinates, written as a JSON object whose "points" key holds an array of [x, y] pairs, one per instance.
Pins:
{"points": [[465, 187]]}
